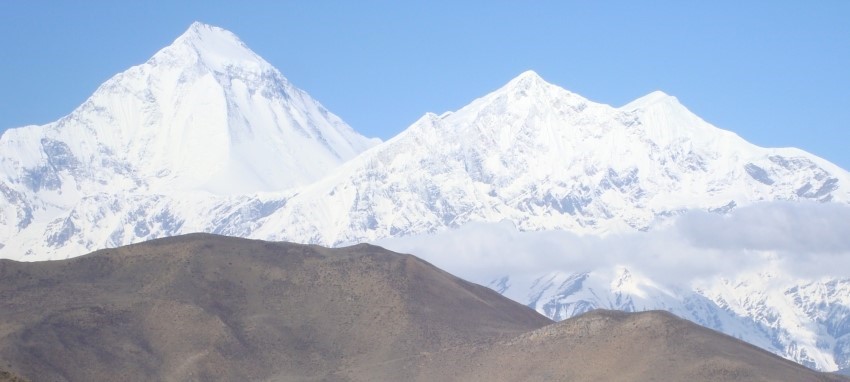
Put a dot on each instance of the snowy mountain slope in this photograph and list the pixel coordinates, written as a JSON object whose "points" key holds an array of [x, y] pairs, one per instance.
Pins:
{"points": [[791, 320], [108, 220], [203, 114], [769, 300], [545, 158], [530, 152], [208, 137]]}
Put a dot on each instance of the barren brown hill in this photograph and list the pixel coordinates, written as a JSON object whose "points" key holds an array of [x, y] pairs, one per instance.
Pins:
{"points": [[616, 346], [6, 376], [205, 307]]}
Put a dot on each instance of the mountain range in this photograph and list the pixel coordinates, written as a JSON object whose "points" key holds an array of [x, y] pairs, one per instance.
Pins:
{"points": [[206, 136]]}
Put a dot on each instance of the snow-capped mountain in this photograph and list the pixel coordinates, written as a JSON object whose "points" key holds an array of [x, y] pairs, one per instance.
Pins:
{"points": [[546, 158], [808, 322], [203, 114], [791, 301], [208, 137], [529, 152]]}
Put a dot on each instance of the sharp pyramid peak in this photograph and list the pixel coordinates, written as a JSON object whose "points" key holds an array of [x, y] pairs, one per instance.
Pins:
{"points": [[529, 83], [653, 98], [199, 33], [215, 47], [529, 74], [531, 87], [527, 79]]}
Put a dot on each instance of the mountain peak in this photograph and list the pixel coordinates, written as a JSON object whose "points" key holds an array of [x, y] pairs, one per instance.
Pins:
{"points": [[203, 35], [198, 27], [527, 80], [206, 113], [529, 85], [529, 74], [215, 47], [653, 98]]}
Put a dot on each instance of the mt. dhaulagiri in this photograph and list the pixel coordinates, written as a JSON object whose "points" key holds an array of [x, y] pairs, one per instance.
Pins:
{"points": [[206, 136], [205, 114]]}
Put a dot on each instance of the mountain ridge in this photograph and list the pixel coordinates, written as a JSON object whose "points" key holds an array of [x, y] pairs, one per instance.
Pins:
{"points": [[198, 142], [170, 126], [222, 308], [190, 114], [780, 298], [546, 158], [210, 307]]}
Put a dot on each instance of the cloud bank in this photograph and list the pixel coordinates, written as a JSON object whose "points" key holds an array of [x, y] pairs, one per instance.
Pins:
{"points": [[799, 240]]}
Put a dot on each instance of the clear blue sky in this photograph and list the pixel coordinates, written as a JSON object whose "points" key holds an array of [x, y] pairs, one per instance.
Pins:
{"points": [[775, 72]]}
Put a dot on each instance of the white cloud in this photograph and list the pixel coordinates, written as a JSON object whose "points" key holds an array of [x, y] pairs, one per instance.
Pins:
{"points": [[778, 226], [804, 240]]}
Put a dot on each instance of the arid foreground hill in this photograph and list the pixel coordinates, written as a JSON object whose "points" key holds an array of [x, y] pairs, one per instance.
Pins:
{"points": [[6, 376], [204, 307], [606, 345]]}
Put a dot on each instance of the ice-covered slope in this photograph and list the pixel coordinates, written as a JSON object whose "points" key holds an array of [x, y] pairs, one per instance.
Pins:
{"points": [[530, 152], [208, 137], [805, 321], [791, 297], [546, 158], [203, 114]]}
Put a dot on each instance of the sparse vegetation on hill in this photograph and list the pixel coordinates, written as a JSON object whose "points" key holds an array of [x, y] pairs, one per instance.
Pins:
{"points": [[205, 307]]}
